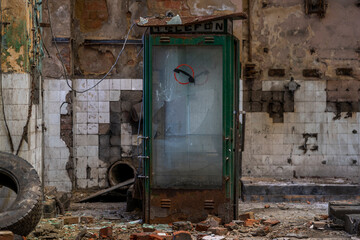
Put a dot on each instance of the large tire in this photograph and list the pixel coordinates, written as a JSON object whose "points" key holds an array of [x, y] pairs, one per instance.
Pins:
{"points": [[24, 214]]}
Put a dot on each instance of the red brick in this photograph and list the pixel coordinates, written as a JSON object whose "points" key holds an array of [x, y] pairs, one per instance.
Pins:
{"points": [[250, 222], [106, 232], [248, 215], [271, 222], [182, 235], [202, 227], [140, 236], [98, 5], [148, 229], [218, 230], [71, 220], [93, 15], [6, 235], [231, 226]]}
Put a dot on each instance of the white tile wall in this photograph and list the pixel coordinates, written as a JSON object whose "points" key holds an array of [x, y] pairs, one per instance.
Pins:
{"points": [[90, 109], [56, 152], [16, 94], [268, 146]]}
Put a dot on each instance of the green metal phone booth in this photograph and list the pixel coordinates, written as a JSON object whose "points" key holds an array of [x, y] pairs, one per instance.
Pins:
{"points": [[191, 119]]}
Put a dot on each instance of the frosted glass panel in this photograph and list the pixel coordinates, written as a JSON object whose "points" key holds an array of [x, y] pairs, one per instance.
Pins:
{"points": [[187, 117]]}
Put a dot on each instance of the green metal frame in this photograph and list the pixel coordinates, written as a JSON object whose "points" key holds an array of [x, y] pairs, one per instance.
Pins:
{"points": [[227, 42]]}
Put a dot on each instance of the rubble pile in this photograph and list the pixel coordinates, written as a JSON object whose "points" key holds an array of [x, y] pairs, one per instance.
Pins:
{"points": [[88, 227], [281, 221]]}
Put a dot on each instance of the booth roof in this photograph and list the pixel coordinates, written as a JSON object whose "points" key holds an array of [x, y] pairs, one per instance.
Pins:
{"points": [[158, 21]]}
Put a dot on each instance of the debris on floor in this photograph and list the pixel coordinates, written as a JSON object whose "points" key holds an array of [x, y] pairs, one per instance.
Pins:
{"points": [[90, 221]]}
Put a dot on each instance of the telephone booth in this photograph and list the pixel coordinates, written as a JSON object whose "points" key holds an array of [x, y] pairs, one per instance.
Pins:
{"points": [[192, 131]]}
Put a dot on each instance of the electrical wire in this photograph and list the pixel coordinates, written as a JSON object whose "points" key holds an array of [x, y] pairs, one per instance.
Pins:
{"points": [[41, 37], [141, 111], [1, 86], [34, 68], [104, 77], [62, 61]]}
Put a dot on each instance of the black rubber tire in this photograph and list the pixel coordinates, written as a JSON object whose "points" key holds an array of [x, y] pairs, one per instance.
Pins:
{"points": [[25, 213]]}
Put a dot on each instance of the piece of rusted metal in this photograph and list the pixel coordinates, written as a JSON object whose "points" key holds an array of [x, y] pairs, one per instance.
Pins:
{"points": [[344, 71], [122, 185], [43, 24], [250, 71], [170, 205], [312, 73], [153, 22], [276, 72], [316, 6]]}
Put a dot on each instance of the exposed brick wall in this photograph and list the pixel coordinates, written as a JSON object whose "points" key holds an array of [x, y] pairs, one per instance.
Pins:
{"points": [[92, 14]]}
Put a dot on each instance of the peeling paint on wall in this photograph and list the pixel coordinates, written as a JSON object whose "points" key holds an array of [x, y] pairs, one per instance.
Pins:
{"points": [[210, 7], [103, 130], [15, 45], [303, 46], [313, 137]]}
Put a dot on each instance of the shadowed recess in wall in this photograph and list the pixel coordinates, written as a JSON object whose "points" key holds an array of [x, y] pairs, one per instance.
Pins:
{"points": [[117, 140]]}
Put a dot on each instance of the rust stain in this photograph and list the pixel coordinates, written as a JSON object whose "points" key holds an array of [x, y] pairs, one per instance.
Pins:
{"points": [[91, 14], [189, 205], [93, 61]]}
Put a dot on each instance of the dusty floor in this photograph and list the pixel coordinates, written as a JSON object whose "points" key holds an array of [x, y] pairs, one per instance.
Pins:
{"points": [[295, 223]]}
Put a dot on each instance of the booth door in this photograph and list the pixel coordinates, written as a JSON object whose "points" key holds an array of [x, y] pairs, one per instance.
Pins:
{"points": [[186, 175]]}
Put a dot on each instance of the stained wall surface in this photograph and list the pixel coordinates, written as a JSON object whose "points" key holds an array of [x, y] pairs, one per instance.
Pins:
{"points": [[309, 127], [20, 105], [89, 131]]}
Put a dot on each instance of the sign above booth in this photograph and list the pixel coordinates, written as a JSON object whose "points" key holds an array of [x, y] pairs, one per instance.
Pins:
{"points": [[215, 24], [220, 26]]}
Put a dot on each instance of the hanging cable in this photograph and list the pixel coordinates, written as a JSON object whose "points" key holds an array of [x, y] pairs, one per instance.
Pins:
{"points": [[62, 61], [1, 86], [141, 112], [41, 37]]}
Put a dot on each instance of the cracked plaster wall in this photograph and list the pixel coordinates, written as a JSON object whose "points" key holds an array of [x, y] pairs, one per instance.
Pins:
{"points": [[17, 84], [101, 126], [322, 55]]}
